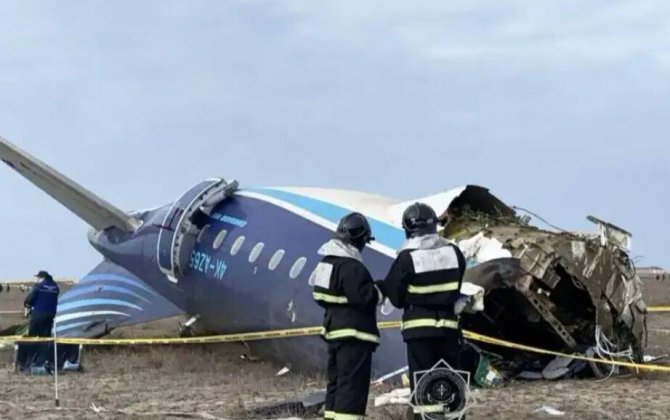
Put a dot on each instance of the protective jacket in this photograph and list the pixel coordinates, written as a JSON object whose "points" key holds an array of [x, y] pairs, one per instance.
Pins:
{"points": [[425, 281], [43, 298], [343, 286]]}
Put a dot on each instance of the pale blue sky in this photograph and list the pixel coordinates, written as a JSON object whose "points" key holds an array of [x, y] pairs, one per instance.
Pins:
{"points": [[562, 107]]}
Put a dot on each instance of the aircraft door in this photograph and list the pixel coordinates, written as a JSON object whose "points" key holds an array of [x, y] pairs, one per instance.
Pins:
{"points": [[185, 220]]}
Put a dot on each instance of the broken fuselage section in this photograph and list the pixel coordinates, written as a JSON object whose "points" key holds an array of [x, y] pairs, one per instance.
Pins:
{"points": [[557, 290]]}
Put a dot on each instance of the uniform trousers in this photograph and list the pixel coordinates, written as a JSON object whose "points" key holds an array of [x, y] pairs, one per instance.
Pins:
{"points": [[349, 368]]}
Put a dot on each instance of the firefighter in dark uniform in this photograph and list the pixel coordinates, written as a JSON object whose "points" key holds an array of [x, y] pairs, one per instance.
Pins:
{"points": [[41, 304], [425, 281], [343, 286]]}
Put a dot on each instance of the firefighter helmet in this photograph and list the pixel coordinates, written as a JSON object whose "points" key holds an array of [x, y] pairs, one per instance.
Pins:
{"points": [[419, 219], [354, 229]]}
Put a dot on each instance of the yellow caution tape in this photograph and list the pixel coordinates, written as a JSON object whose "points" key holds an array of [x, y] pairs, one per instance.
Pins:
{"points": [[503, 343], [658, 308], [311, 331], [225, 338]]}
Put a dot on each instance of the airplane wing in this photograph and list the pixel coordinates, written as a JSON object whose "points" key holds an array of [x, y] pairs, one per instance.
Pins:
{"points": [[94, 210], [107, 298]]}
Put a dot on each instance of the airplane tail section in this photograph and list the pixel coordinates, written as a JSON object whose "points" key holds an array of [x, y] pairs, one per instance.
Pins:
{"points": [[107, 298], [94, 210]]}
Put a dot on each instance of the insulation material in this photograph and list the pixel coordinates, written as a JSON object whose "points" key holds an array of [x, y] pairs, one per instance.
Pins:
{"points": [[476, 294], [481, 248]]}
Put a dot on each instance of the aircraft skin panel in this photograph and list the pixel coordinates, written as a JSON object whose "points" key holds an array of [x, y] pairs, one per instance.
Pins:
{"points": [[439, 202], [374, 204], [384, 209], [109, 297], [233, 294], [386, 234], [250, 296], [231, 291]]}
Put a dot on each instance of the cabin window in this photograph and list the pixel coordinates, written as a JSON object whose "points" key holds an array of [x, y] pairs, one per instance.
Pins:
{"points": [[237, 245], [219, 239], [297, 267], [203, 233], [276, 259], [256, 252]]}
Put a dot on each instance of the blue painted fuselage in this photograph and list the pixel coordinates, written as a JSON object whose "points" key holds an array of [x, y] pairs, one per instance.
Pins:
{"points": [[249, 271]]}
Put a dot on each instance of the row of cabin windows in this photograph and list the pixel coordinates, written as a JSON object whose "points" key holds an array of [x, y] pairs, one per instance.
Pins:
{"points": [[296, 268]]}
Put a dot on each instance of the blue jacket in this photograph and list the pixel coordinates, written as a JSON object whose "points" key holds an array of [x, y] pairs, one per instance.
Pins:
{"points": [[43, 298]]}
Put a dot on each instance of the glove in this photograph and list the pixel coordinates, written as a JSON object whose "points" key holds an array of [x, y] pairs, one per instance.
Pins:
{"points": [[462, 303]]}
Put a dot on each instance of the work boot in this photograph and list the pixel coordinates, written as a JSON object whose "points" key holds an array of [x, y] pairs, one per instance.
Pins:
{"points": [[69, 366], [39, 370]]}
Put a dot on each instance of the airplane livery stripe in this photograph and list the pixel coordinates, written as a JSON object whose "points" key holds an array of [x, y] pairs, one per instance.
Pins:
{"points": [[384, 233], [97, 288], [96, 302], [388, 238], [77, 315], [314, 218], [65, 327]]}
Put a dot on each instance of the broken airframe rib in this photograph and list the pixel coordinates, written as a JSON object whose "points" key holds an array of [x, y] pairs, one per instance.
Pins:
{"points": [[566, 290]]}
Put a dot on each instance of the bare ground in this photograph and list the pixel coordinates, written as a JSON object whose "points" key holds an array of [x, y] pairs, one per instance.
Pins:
{"points": [[213, 381]]}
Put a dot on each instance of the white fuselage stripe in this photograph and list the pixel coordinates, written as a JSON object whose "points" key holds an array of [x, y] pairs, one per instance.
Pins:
{"points": [[312, 218]]}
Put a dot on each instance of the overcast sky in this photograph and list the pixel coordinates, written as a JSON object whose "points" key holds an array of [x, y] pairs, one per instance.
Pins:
{"points": [[562, 107]]}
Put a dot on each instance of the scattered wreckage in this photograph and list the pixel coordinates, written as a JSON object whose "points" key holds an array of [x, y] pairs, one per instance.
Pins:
{"points": [[553, 289]]}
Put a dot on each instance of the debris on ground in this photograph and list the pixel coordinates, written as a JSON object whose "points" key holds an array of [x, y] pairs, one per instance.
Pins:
{"points": [[307, 405], [283, 371], [396, 397], [549, 410]]}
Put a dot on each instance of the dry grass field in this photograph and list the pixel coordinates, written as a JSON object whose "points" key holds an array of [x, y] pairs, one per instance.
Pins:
{"points": [[213, 381]]}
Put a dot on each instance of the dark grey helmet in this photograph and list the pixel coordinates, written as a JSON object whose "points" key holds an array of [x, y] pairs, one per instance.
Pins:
{"points": [[419, 219], [354, 229]]}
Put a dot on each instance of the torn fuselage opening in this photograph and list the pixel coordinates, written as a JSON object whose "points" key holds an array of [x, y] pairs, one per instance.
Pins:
{"points": [[574, 306], [475, 199], [554, 290], [473, 210], [521, 309]]}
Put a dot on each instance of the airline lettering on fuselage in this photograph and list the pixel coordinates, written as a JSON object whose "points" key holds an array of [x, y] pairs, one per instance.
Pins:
{"points": [[229, 219], [204, 263]]}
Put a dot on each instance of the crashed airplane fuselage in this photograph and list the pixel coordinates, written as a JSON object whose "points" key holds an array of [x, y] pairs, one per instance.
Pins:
{"points": [[557, 290], [239, 260]]}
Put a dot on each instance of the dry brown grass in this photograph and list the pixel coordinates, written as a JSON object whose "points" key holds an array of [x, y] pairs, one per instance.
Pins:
{"points": [[212, 381]]}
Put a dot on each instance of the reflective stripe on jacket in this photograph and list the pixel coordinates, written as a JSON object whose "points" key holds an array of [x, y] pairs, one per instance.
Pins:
{"points": [[425, 283], [345, 289]]}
